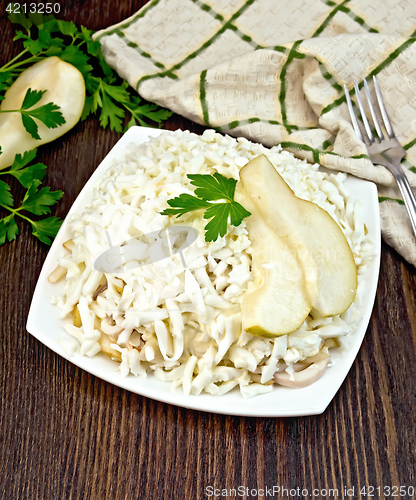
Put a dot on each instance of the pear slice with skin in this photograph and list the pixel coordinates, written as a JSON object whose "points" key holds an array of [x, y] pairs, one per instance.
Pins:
{"points": [[319, 243], [275, 302]]}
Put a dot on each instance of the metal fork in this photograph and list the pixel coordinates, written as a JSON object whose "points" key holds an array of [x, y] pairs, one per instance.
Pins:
{"points": [[386, 152]]}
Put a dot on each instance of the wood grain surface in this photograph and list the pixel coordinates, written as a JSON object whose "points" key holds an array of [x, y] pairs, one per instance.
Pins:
{"points": [[65, 434]]}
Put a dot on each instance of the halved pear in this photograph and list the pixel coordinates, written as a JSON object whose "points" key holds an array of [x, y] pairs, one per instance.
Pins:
{"points": [[309, 231], [65, 87]]}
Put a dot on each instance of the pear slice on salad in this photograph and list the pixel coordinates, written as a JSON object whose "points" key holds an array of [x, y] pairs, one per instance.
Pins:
{"points": [[65, 87], [310, 232], [276, 301]]}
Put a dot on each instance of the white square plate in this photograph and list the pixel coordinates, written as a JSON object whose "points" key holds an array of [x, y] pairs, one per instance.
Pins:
{"points": [[44, 323]]}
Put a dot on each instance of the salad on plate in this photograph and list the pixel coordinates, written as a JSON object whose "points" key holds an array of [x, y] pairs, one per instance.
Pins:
{"points": [[260, 281]]}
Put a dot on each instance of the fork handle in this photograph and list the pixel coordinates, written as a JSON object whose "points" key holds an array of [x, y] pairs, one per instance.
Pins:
{"points": [[408, 197]]}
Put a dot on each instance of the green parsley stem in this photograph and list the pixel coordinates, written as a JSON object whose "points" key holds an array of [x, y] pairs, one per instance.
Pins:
{"points": [[15, 211], [11, 111], [6, 66], [15, 67], [133, 113]]}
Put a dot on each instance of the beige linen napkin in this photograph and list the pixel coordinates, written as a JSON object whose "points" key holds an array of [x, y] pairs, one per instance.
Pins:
{"points": [[273, 70]]}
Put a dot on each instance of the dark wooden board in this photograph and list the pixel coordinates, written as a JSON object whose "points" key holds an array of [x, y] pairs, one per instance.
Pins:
{"points": [[66, 434]]}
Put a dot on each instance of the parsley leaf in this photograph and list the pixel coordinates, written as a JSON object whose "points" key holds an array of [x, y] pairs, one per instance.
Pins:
{"points": [[45, 229], [210, 188], [32, 97], [213, 187], [48, 114], [149, 111], [6, 198], [6, 78], [105, 96], [36, 45], [237, 213], [58, 25], [8, 229], [38, 19], [185, 203], [5, 75], [2, 87], [21, 161], [110, 112], [116, 92], [30, 126], [36, 201], [217, 226], [26, 175], [33, 46], [93, 46], [19, 18], [73, 55]]}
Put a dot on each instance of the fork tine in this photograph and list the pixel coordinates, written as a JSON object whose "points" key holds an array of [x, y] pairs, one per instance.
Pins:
{"points": [[373, 112], [386, 120], [363, 115], [352, 115]]}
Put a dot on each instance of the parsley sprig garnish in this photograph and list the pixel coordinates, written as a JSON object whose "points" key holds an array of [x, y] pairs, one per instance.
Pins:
{"points": [[107, 94], [209, 189], [48, 114], [36, 201]]}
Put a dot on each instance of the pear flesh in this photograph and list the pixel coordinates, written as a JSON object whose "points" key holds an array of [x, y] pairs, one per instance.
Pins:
{"points": [[314, 241], [278, 283]]}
